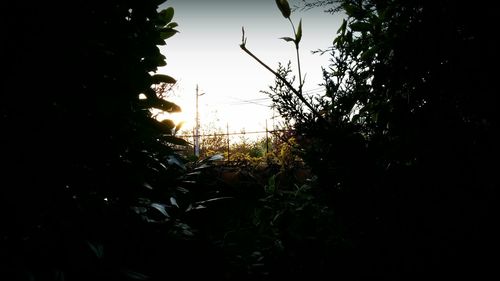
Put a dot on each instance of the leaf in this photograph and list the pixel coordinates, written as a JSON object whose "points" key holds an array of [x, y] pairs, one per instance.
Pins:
{"points": [[202, 166], [360, 26], [187, 232], [160, 42], [182, 189], [284, 8], [160, 62], [337, 40], [271, 184], [175, 140], [134, 275], [167, 15], [156, 127], [353, 10], [172, 160], [216, 157], [166, 33], [197, 173], [97, 249], [152, 100], [179, 126], [213, 200], [165, 105], [162, 78], [169, 123], [288, 39], [162, 208], [298, 36], [172, 25], [243, 39], [189, 182], [173, 202], [356, 118], [139, 210], [342, 27]]}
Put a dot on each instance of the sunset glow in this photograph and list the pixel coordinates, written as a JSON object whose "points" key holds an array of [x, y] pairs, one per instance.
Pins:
{"points": [[206, 52]]}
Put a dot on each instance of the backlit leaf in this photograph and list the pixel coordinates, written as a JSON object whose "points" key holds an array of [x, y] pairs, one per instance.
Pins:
{"points": [[161, 208], [284, 8], [165, 105], [172, 25], [173, 202], [162, 78], [216, 157], [169, 123], [166, 33], [288, 39], [298, 36], [342, 27], [179, 126], [167, 15], [175, 140], [172, 160], [147, 185]]}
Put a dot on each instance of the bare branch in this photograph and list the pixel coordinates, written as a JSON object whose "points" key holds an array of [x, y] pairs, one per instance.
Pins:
{"points": [[297, 93]]}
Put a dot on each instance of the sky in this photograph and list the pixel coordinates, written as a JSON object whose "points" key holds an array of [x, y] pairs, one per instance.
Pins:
{"points": [[206, 53]]}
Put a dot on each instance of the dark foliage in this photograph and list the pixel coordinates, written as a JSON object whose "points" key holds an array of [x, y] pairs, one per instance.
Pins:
{"points": [[408, 156], [89, 180], [405, 152]]}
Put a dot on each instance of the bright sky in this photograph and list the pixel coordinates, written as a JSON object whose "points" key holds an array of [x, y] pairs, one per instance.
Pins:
{"points": [[206, 52]]}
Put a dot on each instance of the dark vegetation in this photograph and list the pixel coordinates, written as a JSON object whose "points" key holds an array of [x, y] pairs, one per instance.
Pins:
{"points": [[403, 150]]}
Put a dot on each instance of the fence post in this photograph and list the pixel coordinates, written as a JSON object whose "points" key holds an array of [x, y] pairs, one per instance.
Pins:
{"points": [[267, 143], [227, 135]]}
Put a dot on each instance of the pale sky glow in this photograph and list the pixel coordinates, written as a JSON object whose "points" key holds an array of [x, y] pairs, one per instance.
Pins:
{"points": [[206, 52]]}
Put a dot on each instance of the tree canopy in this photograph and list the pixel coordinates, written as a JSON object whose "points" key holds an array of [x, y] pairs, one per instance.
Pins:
{"points": [[407, 154]]}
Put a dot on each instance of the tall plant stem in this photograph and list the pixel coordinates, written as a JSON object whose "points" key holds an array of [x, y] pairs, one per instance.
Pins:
{"points": [[298, 56]]}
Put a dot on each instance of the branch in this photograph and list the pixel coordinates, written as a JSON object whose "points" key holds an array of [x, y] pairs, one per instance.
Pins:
{"points": [[297, 93]]}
